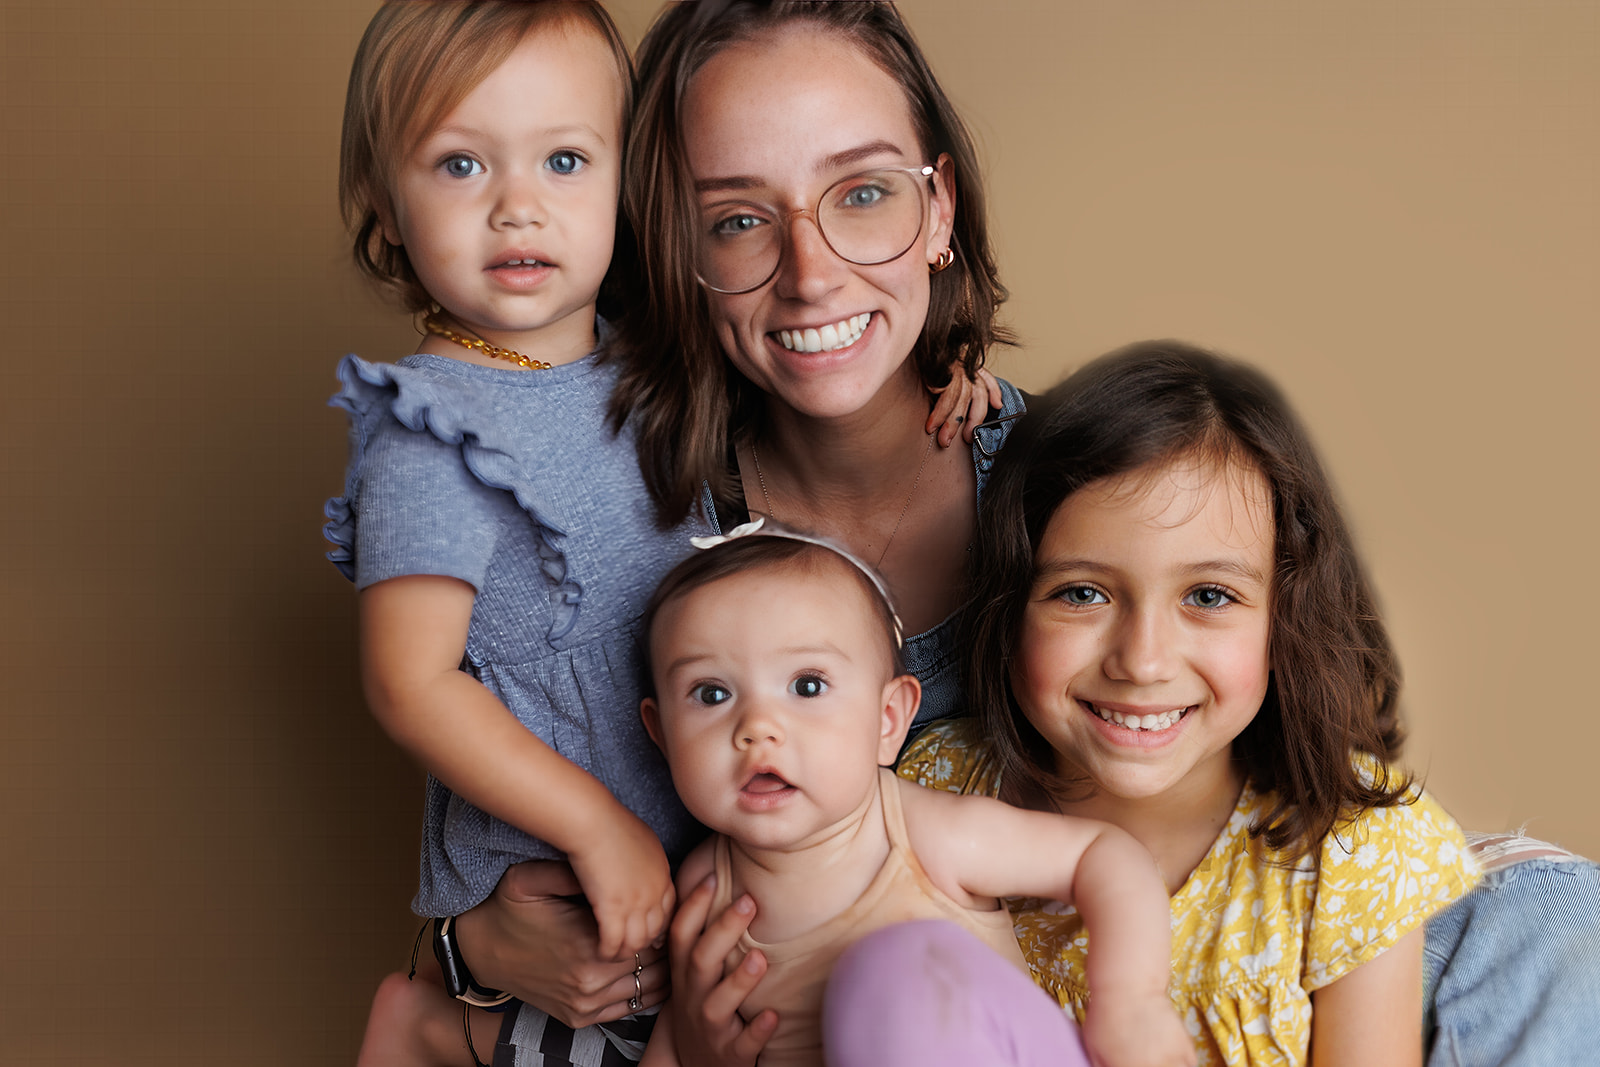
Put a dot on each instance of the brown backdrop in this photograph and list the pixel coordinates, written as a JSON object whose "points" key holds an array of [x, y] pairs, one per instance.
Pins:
{"points": [[209, 849]]}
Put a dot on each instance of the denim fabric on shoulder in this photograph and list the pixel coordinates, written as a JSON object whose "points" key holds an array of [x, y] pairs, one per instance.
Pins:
{"points": [[1512, 970]]}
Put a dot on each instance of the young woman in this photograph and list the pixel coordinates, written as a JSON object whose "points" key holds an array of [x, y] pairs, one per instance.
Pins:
{"points": [[818, 268]]}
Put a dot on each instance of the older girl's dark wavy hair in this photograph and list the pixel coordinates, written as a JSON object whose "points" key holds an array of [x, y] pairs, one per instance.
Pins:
{"points": [[1335, 681], [686, 402]]}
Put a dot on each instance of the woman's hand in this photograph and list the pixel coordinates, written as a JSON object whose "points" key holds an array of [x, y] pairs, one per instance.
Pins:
{"points": [[536, 938], [706, 1026], [963, 405]]}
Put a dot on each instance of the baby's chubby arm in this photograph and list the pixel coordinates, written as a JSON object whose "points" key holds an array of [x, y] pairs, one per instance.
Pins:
{"points": [[975, 847], [413, 634]]}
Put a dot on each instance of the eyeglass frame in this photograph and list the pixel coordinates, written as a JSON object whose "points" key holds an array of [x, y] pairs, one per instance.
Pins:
{"points": [[786, 219]]}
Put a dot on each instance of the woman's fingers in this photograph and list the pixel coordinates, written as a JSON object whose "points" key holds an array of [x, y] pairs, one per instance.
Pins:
{"points": [[985, 398], [944, 405], [722, 1002], [536, 939], [950, 410], [754, 1038], [705, 1004]]}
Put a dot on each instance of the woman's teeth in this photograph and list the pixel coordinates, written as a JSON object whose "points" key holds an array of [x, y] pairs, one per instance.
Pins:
{"points": [[1142, 722], [825, 338]]}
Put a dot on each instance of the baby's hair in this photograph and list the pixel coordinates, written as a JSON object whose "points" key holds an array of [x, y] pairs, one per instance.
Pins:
{"points": [[684, 399], [744, 555], [1335, 682], [416, 62]]}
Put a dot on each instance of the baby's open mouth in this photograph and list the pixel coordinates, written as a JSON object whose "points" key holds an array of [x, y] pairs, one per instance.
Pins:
{"points": [[765, 782]]}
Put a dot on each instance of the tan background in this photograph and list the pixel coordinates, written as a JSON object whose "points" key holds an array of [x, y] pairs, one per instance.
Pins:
{"points": [[208, 849]]}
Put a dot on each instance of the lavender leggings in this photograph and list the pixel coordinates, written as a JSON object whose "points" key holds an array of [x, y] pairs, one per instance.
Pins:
{"points": [[929, 992]]}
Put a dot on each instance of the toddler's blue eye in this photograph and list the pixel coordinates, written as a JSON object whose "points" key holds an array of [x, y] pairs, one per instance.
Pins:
{"points": [[565, 162], [462, 167], [710, 693], [1082, 596], [1209, 596], [808, 685]]}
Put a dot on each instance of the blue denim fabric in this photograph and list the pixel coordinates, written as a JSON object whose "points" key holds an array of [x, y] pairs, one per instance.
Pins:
{"points": [[1511, 972]]}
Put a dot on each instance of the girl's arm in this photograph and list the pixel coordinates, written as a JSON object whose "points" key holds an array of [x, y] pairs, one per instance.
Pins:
{"points": [[988, 849], [1373, 1014], [413, 635]]}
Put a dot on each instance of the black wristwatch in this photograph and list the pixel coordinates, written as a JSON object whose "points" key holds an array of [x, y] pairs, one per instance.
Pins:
{"points": [[457, 979]]}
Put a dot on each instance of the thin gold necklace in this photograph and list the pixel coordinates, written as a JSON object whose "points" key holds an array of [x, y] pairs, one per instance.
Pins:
{"points": [[926, 452], [431, 324]]}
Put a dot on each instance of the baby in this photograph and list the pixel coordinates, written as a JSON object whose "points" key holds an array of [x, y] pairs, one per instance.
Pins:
{"points": [[780, 702]]}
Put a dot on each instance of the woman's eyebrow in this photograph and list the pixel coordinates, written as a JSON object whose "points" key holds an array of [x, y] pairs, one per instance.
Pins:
{"points": [[836, 161], [852, 156]]}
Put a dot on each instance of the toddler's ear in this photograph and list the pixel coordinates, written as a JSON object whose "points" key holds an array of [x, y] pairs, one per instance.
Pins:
{"points": [[901, 698], [650, 714], [387, 229]]}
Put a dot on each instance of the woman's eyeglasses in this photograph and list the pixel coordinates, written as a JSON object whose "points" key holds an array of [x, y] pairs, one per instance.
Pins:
{"points": [[866, 219]]}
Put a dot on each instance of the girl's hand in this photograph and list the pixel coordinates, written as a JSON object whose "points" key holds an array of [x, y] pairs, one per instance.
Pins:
{"points": [[1136, 1030], [536, 938], [628, 881], [706, 1026], [962, 406]]}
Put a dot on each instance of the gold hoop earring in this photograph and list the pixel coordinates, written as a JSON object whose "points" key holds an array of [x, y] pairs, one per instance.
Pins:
{"points": [[947, 257]]}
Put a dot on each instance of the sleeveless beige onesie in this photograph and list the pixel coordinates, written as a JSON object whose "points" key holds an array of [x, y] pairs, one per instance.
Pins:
{"points": [[798, 968]]}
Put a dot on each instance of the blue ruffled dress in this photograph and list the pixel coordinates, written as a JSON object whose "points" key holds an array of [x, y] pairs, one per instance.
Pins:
{"points": [[510, 481]]}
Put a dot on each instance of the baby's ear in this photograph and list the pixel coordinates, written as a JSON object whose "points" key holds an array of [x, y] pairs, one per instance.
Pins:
{"points": [[901, 698], [650, 715]]}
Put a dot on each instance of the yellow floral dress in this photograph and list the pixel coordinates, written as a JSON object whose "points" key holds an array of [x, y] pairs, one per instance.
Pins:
{"points": [[1252, 937]]}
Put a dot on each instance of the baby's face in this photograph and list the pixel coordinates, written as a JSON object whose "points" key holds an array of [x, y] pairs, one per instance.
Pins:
{"points": [[776, 702]]}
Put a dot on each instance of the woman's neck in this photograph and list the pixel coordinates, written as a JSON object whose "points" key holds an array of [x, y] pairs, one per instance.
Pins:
{"points": [[875, 481], [826, 462], [798, 889]]}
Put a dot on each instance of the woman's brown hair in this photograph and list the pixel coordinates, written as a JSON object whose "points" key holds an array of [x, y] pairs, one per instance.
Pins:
{"points": [[686, 403], [416, 62], [1335, 682]]}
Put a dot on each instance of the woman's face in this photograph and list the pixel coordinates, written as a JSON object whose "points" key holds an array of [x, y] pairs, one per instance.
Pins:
{"points": [[777, 122]]}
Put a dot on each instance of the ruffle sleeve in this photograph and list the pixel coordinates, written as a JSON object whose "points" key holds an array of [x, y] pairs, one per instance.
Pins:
{"points": [[379, 397]]}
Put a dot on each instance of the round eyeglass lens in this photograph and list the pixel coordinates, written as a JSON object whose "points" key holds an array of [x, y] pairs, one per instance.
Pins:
{"points": [[867, 219]]}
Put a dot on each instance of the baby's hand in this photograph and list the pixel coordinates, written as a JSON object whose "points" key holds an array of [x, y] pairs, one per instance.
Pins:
{"points": [[625, 875], [1136, 1030]]}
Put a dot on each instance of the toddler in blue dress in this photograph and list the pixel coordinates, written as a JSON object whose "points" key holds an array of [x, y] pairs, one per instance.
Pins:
{"points": [[490, 519]]}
